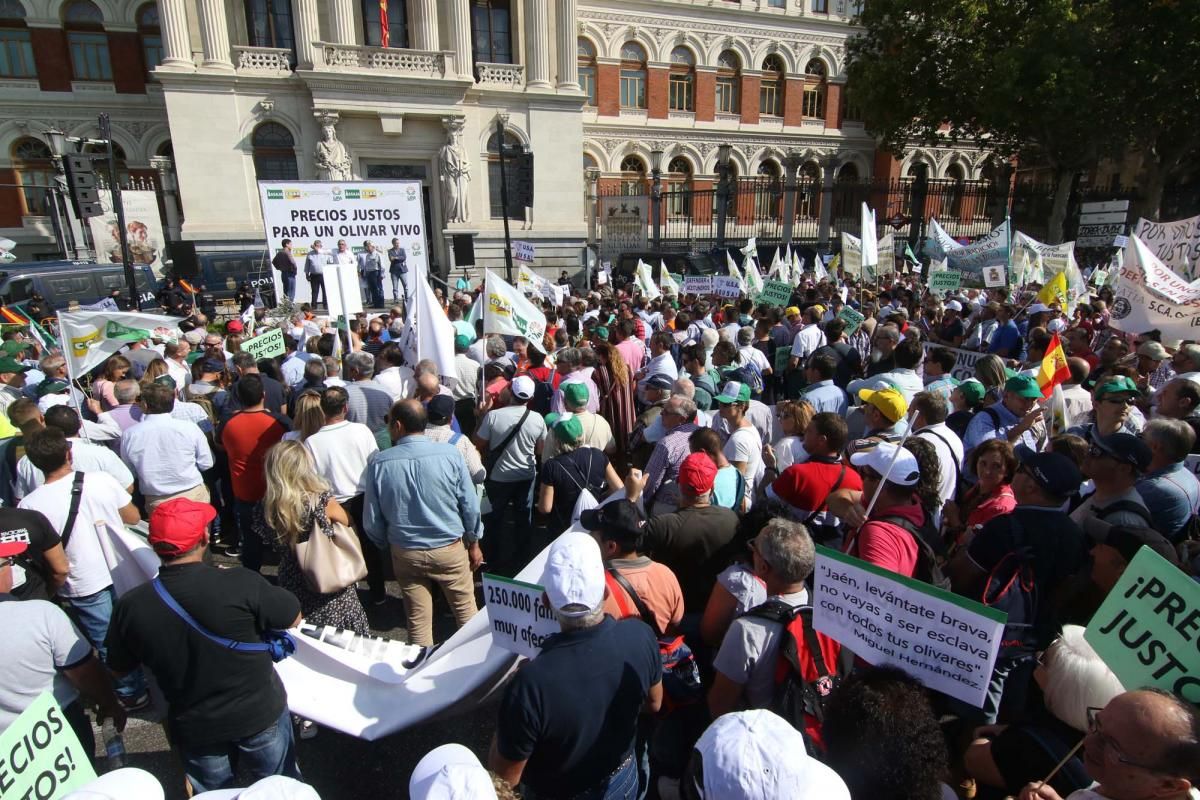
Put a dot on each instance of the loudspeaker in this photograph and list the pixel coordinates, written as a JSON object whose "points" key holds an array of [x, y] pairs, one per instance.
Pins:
{"points": [[464, 250], [183, 259]]}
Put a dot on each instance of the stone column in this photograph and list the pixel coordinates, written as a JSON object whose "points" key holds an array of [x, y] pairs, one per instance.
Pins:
{"points": [[565, 12], [177, 44], [424, 25], [341, 17], [308, 30], [214, 35], [537, 44], [459, 12], [169, 194]]}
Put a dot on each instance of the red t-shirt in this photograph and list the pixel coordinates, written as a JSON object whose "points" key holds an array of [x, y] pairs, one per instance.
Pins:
{"points": [[246, 437], [886, 544]]}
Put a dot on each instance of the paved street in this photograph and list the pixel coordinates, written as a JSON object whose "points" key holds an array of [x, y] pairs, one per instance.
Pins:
{"points": [[338, 766]]}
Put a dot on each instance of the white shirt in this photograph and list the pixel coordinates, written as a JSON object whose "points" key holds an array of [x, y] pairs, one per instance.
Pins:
{"points": [[398, 381], [467, 370], [101, 502], [179, 373], [745, 444], [950, 456], [346, 257], [753, 355], [1078, 404], [906, 381], [168, 454], [341, 451], [85, 457], [807, 340]]}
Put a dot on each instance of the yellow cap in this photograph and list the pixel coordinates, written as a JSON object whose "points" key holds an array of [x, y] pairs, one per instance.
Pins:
{"points": [[889, 402], [792, 311]]}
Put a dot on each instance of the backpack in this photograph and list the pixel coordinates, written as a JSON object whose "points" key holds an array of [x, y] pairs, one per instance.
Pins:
{"points": [[748, 374], [1128, 506], [931, 553], [1011, 587], [681, 674], [805, 676], [543, 392]]}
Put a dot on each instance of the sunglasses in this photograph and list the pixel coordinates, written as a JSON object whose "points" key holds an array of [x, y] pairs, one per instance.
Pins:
{"points": [[1118, 401]]}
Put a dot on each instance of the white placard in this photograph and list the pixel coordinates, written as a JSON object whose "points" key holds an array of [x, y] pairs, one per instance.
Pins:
{"points": [[964, 360], [520, 621], [945, 641], [523, 251], [993, 277], [380, 211], [341, 289], [698, 284], [726, 286]]}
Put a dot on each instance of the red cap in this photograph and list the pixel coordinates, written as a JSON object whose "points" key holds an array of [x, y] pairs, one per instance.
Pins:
{"points": [[234, 326], [178, 525], [802, 489], [697, 473], [13, 543]]}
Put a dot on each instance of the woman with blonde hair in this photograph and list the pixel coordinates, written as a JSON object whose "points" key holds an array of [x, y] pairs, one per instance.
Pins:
{"points": [[116, 368], [794, 416], [989, 370], [154, 370], [309, 417], [297, 499]]}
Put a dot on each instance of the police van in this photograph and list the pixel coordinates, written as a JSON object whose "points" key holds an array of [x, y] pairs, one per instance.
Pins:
{"points": [[61, 282]]}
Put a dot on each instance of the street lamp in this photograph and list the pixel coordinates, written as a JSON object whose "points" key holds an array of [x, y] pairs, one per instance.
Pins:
{"points": [[656, 157], [57, 140], [723, 152], [57, 195]]}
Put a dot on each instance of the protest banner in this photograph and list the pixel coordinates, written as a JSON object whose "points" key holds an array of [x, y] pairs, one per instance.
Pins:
{"points": [[1176, 244], [990, 250], [868, 235], [851, 255], [1048, 261], [519, 620], [523, 251], [508, 311], [726, 286], [1099, 277], [852, 318], [887, 255], [1146, 629], [1149, 295], [143, 228], [698, 284], [625, 222], [946, 280], [943, 640], [342, 290], [40, 756], [268, 345], [994, 277], [775, 293], [964, 360], [89, 337]]}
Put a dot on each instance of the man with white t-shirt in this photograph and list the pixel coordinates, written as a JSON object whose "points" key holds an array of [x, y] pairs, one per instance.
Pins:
{"points": [[930, 425], [88, 457], [340, 451], [99, 500], [743, 448], [807, 339]]}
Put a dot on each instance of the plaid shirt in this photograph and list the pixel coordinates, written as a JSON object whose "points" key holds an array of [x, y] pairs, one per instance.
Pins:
{"points": [[664, 463], [861, 341], [1162, 375]]}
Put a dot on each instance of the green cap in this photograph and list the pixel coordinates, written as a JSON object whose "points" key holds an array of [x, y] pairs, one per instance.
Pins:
{"points": [[734, 392], [1117, 385], [14, 348], [602, 331], [575, 394], [972, 390], [462, 340], [9, 364], [1024, 386], [51, 386], [566, 426], [165, 380]]}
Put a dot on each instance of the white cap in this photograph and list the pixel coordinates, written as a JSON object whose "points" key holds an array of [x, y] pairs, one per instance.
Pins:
{"points": [[118, 785], [1037, 308], [954, 305], [757, 755], [905, 472], [450, 772], [574, 574], [523, 387], [1056, 325], [274, 787]]}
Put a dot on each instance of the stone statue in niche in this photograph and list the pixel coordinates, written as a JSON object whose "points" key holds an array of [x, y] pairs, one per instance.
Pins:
{"points": [[332, 159], [454, 173]]}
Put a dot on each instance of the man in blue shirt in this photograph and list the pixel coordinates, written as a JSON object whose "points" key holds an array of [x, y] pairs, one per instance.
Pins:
{"points": [[420, 502], [1011, 419], [1169, 488], [1006, 341], [821, 393]]}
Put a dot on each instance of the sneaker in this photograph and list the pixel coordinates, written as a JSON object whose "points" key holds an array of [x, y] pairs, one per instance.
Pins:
{"points": [[232, 551], [138, 703]]}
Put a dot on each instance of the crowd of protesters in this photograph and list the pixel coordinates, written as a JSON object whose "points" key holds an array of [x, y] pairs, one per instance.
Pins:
{"points": [[735, 437]]}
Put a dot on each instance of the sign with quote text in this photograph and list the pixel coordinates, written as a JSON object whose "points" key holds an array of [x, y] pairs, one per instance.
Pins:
{"points": [[775, 293], [852, 318], [698, 284], [943, 640], [518, 618]]}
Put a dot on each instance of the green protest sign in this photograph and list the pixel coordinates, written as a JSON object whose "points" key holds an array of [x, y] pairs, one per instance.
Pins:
{"points": [[1100, 277], [269, 345], [1148, 627], [782, 356], [852, 318], [945, 280], [40, 756], [775, 293]]}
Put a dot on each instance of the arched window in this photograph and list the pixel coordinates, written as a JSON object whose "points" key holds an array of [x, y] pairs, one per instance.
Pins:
{"points": [[269, 23], [633, 76], [729, 78], [770, 93], [495, 197], [88, 43], [150, 32], [814, 89], [586, 54], [274, 153], [397, 22], [491, 31], [16, 50], [679, 187], [589, 162], [35, 172], [956, 178], [681, 94], [633, 175], [847, 193], [809, 191], [769, 189]]}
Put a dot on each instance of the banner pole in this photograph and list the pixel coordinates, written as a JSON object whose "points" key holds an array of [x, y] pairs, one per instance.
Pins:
{"points": [[912, 415], [74, 401]]}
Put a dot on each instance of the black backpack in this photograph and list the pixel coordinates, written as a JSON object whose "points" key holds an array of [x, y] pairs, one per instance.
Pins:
{"points": [[931, 553], [1011, 587], [543, 392]]}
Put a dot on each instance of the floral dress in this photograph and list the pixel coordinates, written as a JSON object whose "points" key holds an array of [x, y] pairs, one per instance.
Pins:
{"points": [[338, 609]]}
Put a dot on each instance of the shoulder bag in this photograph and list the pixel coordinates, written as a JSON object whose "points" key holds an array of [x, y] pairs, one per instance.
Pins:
{"points": [[493, 455], [73, 513], [278, 644], [331, 561]]}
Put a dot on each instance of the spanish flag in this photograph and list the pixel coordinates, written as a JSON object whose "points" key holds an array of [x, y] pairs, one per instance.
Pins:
{"points": [[1055, 291], [1054, 367], [385, 37], [11, 316]]}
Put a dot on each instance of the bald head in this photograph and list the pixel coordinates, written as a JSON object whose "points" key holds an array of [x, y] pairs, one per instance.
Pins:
{"points": [[1079, 369], [428, 386]]}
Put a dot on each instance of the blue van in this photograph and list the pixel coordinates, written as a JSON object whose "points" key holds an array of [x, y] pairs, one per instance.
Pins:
{"points": [[60, 282]]}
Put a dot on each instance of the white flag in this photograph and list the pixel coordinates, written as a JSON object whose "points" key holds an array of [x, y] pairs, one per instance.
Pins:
{"points": [[797, 268], [754, 281], [776, 265], [751, 248], [819, 269], [428, 333], [666, 282], [508, 311], [89, 337], [870, 241], [734, 272], [645, 281]]}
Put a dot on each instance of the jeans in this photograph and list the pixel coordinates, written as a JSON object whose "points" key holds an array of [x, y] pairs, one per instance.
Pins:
{"points": [[418, 571], [398, 281], [621, 785], [92, 614], [374, 285], [271, 751], [507, 548], [317, 284], [252, 546], [289, 284]]}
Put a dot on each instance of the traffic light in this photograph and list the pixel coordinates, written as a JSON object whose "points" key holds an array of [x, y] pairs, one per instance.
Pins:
{"points": [[81, 181]]}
